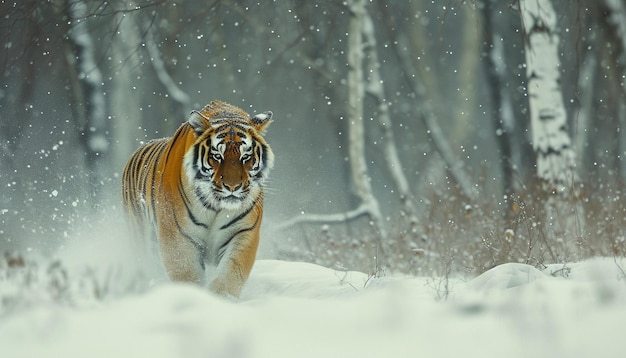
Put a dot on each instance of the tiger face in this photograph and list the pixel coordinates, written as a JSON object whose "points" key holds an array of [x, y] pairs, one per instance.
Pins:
{"points": [[230, 160]]}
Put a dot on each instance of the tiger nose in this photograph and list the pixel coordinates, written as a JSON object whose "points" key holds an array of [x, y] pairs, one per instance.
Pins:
{"points": [[233, 187]]}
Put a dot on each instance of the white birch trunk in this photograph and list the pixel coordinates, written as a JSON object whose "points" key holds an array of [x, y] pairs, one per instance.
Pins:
{"points": [[376, 89], [96, 129], [356, 135], [125, 115], [556, 164], [358, 167]]}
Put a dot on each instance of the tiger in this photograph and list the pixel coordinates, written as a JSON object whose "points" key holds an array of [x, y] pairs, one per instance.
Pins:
{"points": [[199, 195]]}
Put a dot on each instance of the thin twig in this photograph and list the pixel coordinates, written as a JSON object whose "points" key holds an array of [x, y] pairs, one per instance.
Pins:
{"points": [[326, 218]]}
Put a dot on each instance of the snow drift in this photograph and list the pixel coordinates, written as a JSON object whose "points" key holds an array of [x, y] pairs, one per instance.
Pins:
{"points": [[291, 309]]}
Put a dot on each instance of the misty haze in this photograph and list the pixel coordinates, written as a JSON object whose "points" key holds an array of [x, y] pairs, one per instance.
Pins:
{"points": [[443, 171]]}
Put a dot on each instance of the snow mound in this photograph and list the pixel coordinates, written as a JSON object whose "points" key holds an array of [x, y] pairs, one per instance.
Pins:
{"points": [[505, 276], [300, 279], [291, 309]]}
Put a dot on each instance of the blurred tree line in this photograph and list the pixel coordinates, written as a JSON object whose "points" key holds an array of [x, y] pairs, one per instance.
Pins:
{"points": [[445, 97]]}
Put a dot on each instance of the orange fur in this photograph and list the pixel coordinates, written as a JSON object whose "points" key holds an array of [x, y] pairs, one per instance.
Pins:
{"points": [[200, 192]]}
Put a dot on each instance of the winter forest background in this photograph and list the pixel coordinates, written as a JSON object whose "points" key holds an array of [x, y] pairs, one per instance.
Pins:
{"points": [[409, 135]]}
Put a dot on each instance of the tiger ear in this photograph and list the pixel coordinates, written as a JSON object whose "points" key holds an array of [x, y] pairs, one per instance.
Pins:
{"points": [[261, 121], [198, 122]]}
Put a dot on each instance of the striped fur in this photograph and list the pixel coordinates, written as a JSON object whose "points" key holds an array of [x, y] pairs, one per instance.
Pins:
{"points": [[200, 194]]}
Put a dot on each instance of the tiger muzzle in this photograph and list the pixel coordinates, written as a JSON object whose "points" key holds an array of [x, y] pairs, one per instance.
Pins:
{"points": [[232, 175]]}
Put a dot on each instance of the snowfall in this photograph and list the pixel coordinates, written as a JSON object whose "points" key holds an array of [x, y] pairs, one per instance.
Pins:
{"points": [[296, 309]]}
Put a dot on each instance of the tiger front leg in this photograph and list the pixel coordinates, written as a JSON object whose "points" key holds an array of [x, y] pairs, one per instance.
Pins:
{"points": [[235, 266], [181, 259]]}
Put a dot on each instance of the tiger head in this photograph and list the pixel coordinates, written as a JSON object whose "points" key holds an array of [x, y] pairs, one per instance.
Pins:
{"points": [[229, 160]]}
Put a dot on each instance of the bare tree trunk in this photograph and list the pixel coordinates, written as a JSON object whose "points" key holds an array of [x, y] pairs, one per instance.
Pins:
{"points": [[428, 117], [502, 113], [621, 145], [180, 98], [356, 136], [368, 205], [13, 202], [617, 26], [556, 164], [617, 20], [465, 108], [125, 116], [376, 89], [582, 118], [95, 132]]}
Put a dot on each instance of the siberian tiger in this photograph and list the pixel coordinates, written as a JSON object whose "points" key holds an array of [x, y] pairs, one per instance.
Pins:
{"points": [[200, 193]]}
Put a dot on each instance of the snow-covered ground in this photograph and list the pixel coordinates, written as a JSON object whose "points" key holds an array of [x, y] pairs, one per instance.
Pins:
{"points": [[291, 309]]}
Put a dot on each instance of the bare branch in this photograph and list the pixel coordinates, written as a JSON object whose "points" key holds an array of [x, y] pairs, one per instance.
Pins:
{"points": [[337, 218], [376, 89], [164, 77]]}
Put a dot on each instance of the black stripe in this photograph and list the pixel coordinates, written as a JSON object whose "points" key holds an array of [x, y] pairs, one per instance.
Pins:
{"points": [[172, 141], [153, 160], [241, 126], [142, 162], [203, 152], [199, 152], [262, 153], [138, 163], [182, 192], [201, 249], [196, 154], [203, 200], [240, 216], [186, 202], [222, 250], [220, 127]]}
